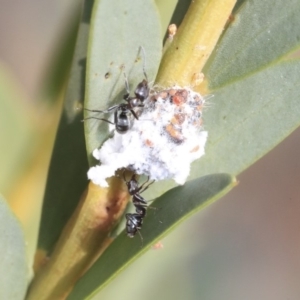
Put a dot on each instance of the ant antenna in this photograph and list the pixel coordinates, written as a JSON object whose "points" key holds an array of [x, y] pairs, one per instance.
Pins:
{"points": [[144, 61], [100, 111], [141, 49], [126, 84], [100, 119]]}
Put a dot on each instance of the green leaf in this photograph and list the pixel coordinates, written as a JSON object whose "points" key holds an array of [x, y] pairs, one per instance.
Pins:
{"points": [[59, 63], [67, 177], [14, 122], [255, 80], [172, 12], [13, 265], [118, 29], [169, 210], [166, 10], [254, 77]]}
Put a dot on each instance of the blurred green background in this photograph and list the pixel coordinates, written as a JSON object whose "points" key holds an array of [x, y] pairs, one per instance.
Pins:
{"points": [[245, 246]]}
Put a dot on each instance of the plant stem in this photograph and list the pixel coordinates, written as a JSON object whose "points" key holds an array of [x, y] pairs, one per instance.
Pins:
{"points": [[194, 42], [83, 238]]}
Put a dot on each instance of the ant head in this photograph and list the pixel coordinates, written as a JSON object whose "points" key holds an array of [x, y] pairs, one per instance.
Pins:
{"points": [[132, 184], [142, 90]]}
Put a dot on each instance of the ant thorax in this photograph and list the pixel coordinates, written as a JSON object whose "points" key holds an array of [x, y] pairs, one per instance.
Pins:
{"points": [[162, 142]]}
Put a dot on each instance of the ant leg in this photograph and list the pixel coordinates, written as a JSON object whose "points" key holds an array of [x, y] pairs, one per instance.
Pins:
{"points": [[98, 119], [146, 187], [93, 110], [134, 114], [142, 240], [156, 209], [141, 187], [144, 61], [103, 111], [151, 207]]}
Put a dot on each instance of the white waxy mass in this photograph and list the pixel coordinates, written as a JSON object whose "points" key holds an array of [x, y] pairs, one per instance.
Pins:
{"points": [[161, 144]]}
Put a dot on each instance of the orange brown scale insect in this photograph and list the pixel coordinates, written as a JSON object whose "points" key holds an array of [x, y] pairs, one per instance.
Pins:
{"points": [[195, 149], [174, 133], [179, 97], [149, 143], [172, 92], [178, 118]]}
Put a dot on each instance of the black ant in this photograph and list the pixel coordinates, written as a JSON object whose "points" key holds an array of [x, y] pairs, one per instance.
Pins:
{"points": [[123, 120], [134, 221]]}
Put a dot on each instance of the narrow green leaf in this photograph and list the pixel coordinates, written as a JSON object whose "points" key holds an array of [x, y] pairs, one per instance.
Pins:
{"points": [[254, 121], [118, 29], [67, 174], [166, 10], [255, 82], [175, 9], [169, 210], [13, 265], [260, 37], [61, 59], [16, 132]]}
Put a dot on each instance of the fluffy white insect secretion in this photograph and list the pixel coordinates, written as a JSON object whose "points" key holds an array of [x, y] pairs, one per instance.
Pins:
{"points": [[162, 144]]}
